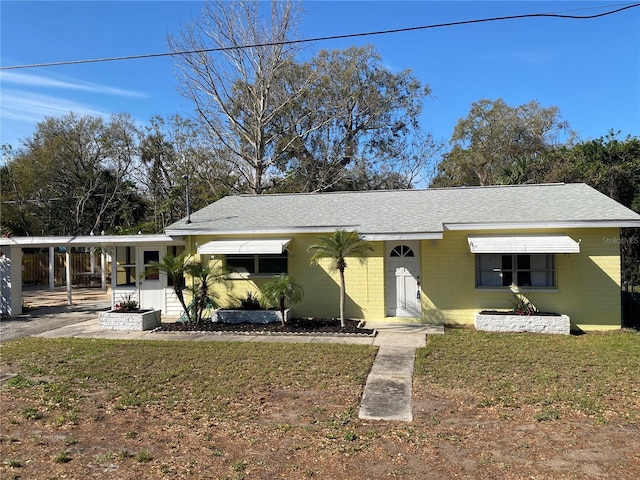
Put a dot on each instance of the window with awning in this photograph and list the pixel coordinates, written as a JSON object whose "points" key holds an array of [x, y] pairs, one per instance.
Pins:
{"points": [[522, 244], [251, 257]]}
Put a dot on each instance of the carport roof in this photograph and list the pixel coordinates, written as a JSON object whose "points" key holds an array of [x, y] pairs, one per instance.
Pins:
{"points": [[89, 240]]}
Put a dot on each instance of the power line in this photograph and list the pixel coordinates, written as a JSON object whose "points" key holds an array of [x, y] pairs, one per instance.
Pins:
{"points": [[321, 39]]}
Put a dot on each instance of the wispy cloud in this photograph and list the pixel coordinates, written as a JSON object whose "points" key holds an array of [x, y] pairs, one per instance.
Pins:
{"points": [[29, 98], [44, 81], [25, 106]]}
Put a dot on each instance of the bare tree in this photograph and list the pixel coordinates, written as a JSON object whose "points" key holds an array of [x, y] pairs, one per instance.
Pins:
{"points": [[235, 89]]}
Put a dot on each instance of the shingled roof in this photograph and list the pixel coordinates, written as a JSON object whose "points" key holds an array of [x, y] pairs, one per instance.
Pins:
{"points": [[411, 213]]}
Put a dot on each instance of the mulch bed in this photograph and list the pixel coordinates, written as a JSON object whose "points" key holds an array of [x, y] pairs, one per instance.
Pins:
{"points": [[311, 326]]}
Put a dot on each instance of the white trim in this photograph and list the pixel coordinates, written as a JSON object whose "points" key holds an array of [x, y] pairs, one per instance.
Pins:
{"points": [[90, 240], [495, 289], [433, 235], [543, 225], [246, 246], [391, 237], [522, 244]]}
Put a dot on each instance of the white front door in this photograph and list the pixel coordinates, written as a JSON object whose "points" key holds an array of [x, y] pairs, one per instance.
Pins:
{"points": [[403, 279], [151, 283]]}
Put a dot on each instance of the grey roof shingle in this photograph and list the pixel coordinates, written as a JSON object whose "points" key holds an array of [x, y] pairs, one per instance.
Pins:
{"points": [[407, 211]]}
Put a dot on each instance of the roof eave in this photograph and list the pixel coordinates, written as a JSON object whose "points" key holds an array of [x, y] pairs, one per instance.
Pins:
{"points": [[543, 225]]}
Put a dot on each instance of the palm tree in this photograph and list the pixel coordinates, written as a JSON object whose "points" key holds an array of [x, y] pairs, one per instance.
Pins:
{"points": [[177, 270], [340, 245], [203, 276], [280, 290]]}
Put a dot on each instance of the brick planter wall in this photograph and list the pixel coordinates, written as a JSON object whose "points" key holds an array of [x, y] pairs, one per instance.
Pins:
{"points": [[248, 316], [130, 320], [558, 324]]}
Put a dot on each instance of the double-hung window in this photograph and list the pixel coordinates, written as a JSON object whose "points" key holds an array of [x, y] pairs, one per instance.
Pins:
{"points": [[126, 268], [494, 270], [262, 264]]}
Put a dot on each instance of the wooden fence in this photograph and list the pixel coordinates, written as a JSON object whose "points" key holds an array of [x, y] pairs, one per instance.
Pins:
{"points": [[35, 268]]}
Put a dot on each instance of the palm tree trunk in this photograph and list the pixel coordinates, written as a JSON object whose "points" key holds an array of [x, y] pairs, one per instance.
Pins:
{"points": [[342, 298], [180, 296]]}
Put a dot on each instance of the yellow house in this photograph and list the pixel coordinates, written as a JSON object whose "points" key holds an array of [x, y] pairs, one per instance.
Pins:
{"points": [[440, 255]]}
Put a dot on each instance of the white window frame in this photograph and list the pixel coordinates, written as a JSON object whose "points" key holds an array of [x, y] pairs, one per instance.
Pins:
{"points": [[256, 265], [509, 276]]}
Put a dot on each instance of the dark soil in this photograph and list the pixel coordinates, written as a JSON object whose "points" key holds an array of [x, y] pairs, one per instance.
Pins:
{"points": [[294, 326]]}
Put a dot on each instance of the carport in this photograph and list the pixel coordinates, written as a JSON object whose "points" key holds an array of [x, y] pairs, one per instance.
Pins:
{"points": [[11, 253]]}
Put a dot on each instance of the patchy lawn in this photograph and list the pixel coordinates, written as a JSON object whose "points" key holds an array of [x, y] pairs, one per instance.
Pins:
{"points": [[485, 406]]}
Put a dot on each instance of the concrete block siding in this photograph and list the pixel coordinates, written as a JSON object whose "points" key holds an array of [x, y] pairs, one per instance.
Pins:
{"points": [[523, 323], [130, 321]]}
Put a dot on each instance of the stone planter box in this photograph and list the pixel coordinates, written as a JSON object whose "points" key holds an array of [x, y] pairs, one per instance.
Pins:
{"points": [[143, 320], [248, 316], [504, 322]]}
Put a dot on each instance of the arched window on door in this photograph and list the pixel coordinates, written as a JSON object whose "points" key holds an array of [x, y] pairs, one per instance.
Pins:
{"points": [[401, 251]]}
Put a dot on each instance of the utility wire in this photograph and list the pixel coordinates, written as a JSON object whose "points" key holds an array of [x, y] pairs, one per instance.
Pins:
{"points": [[321, 39]]}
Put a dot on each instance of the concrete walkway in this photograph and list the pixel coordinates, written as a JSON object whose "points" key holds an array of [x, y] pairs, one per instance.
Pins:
{"points": [[387, 393]]}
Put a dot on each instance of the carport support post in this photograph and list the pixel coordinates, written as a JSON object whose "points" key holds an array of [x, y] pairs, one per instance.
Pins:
{"points": [[52, 268], [68, 274], [103, 270], [11, 288]]}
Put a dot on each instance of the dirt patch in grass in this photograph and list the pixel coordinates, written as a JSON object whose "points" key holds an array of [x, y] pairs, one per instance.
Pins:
{"points": [[78, 408]]}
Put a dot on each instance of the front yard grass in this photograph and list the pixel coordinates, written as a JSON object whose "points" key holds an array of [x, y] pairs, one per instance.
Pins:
{"points": [[205, 378], [594, 374], [507, 406]]}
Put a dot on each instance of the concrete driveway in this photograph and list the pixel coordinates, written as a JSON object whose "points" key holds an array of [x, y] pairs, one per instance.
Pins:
{"points": [[48, 310]]}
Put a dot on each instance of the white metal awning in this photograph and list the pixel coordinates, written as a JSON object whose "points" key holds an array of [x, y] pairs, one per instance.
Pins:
{"points": [[255, 246], [523, 244]]}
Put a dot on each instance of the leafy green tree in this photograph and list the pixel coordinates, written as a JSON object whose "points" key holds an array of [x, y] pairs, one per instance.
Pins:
{"points": [[337, 248], [359, 120], [73, 176], [495, 140], [281, 290]]}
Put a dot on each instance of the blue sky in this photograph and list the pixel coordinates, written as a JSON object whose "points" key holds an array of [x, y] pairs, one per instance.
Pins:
{"points": [[589, 69]]}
